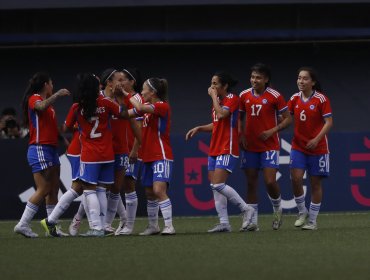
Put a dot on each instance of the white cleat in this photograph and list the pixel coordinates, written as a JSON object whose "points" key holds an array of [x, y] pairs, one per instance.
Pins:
{"points": [[74, 227], [109, 230], [278, 219], [150, 230], [310, 226], [125, 231], [120, 227], [251, 227], [60, 232], [247, 216], [168, 230], [25, 230], [220, 228], [301, 219]]}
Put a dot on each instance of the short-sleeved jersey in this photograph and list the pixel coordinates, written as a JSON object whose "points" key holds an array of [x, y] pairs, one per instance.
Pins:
{"points": [[74, 147], [225, 131], [308, 121], [95, 134], [261, 113], [42, 124], [156, 133]]}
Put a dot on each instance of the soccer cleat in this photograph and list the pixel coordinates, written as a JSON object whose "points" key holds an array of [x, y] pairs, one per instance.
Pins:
{"points": [[251, 227], [60, 232], [93, 233], [168, 230], [310, 226], [247, 216], [109, 230], [74, 227], [220, 228], [150, 230], [301, 219], [278, 219], [25, 230], [121, 225], [50, 229], [124, 231]]}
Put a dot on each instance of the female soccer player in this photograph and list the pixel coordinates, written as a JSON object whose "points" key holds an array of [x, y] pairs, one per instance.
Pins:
{"points": [[42, 154], [224, 149], [258, 137], [131, 84], [312, 121], [156, 152]]}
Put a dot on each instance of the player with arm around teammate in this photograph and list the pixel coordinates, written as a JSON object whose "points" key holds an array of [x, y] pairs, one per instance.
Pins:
{"points": [[310, 152], [42, 154], [258, 136], [224, 149]]}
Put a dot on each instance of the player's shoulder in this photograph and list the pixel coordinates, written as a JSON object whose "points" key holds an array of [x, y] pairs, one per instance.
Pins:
{"points": [[295, 96], [320, 96], [245, 92], [273, 92], [232, 96]]}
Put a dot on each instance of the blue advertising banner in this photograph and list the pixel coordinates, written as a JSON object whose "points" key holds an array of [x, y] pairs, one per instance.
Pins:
{"points": [[347, 188]]}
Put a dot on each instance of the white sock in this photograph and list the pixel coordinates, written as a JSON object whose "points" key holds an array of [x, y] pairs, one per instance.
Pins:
{"points": [[221, 206], [231, 195], [255, 214], [93, 207], [121, 210], [87, 212], [301, 205], [113, 200], [62, 205], [49, 209], [29, 211], [276, 203], [131, 208], [152, 208], [166, 209], [103, 202], [80, 212], [314, 211]]}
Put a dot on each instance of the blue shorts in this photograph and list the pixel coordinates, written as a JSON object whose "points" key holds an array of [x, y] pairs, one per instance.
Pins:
{"points": [[94, 173], [222, 162], [120, 162], [75, 165], [134, 169], [259, 160], [156, 171], [316, 165], [41, 157]]}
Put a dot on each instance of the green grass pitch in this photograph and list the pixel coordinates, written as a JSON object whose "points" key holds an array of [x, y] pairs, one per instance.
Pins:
{"points": [[339, 249]]}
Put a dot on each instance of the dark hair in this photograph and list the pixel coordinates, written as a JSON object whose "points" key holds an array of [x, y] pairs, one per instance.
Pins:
{"points": [[106, 76], [226, 79], [159, 86], [262, 69], [8, 111], [133, 74], [314, 77], [87, 93], [35, 84]]}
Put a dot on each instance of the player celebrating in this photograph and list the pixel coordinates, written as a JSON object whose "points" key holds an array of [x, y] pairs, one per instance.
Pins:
{"points": [[224, 149], [258, 137], [310, 151], [156, 152], [42, 154]]}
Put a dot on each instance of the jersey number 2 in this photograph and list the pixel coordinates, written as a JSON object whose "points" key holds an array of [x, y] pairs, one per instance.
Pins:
{"points": [[93, 133]]}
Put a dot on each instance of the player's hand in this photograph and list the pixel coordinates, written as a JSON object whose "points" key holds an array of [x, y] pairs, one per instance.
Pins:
{"points": [[243, 142], [266, 134], [191, 133], [63, 92], [133, 156], [212, 92], [312, 144]]}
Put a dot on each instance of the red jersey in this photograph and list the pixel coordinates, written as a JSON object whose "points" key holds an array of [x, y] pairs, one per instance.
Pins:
{"points": [[42, 124], [74, 148], [95, 134], [225, 131], [156, 133], [308, 121], [261, 114]]}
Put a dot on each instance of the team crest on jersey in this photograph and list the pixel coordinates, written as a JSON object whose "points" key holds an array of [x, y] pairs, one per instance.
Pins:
{"points": [[296, 106], [247, 101], [312, 107], [264, 101]]}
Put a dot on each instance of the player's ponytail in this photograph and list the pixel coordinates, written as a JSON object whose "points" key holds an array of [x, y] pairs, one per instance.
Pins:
{"points": [[35, 85], [314, 77], [87, 93]]}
